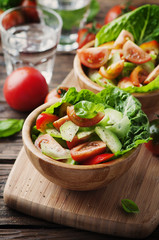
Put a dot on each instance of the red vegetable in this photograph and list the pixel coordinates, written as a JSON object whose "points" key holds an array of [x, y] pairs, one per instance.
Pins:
{"points": [[98, 159], [43, 119], [55, 94]]}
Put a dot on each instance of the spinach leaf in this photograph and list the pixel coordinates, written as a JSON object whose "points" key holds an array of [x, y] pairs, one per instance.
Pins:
{"points": [[143, 23], [87, 109], [129, 206], [9, 127], [93, 10]]}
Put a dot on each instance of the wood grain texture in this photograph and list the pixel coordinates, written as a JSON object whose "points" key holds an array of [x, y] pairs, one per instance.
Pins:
{"points": [[29, 192]]}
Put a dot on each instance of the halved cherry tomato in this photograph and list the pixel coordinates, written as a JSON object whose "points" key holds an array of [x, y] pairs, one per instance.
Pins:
{"points": [[83, 122], [12, 19], [113, 70], [138, 76], [151, 47], [117, 11], [57, 124], [43, 119], [125, 82], [98, 159], [56, 93], [153, 145], [87, 33], [122, 38], [108, 45], [76, 141], [134, 53], [93, 57], [152, 75], [87, 150]]}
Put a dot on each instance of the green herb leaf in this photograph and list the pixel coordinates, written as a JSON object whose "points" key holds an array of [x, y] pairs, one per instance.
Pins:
{"points": [[93, 10], [129, 206], [9, 127], [86, 109]]}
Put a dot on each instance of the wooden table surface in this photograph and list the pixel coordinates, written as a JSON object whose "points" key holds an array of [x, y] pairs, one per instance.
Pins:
{"points": [[13, 224]]}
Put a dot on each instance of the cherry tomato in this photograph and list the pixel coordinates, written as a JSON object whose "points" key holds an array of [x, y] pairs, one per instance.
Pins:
{"points": [[122, 38], [153, 145], [43, 119], [12, 19], [87, 150], [55, 94], [83, 122], [76, 141], [113, 70], [28, 3], [57, 124], [138, 76], [31, 14], [117, 11], [151, 47], [87, 33], [25, 89], [125, 82], [93, 57], [108, 45], [134, 53], [98, 159], [152, 75]]}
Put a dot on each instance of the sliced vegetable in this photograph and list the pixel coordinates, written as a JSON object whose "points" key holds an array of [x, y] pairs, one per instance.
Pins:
{"points": [[138, 76], [87, 150], [98, 159], [154, 74], [57, 124], [43, 120], [93, 57], [122, 38], [113, 70], [125, 82], [151, 47], [76, 141], [68, 130]]}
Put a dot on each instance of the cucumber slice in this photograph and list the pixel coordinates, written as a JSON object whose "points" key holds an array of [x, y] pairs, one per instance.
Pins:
{"points": [[53, 132], [94, 75], [111, 117], [68, 130], [55, 151], [121, 128], [84, 134], [109, 138]]}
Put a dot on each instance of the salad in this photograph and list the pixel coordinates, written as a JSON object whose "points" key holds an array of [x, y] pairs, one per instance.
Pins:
{"points": [[126, 52], [87, 128]]}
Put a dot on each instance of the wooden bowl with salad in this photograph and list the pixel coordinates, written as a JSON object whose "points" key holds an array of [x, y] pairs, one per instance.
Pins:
{"points": [[86, 140], [125, 54]]}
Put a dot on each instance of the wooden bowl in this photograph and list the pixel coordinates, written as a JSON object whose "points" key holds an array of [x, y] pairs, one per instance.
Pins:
{"points": [[73, 177], [149, 101]]}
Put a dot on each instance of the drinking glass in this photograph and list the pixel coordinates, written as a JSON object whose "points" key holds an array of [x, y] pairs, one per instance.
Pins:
{"points": [[30, 36], [74, 14]]}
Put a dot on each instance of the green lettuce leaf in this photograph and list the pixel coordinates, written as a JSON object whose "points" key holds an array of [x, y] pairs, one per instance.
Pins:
{"points": [[143, 23], [120, 100]]}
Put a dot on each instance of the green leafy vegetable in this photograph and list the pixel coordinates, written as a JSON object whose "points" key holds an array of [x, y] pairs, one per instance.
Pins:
{"points": [[120, 100], [93, 10], [142, 22], [6, 4], [9, 127], [86, 109], [129, 206]]}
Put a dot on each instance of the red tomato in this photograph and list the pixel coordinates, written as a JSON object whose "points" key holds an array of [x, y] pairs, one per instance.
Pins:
{"points": [[153, 145], [117, 11], [55, 94], [125, 82], [43, 119], [31, 14], [28, 3], [83, 122], [87, 150], [25, 89], [93, 57], [13, 18], [87, 33], [138, 76], [152, 75], [151, 47], [113, 70], [76, 141], [98, 159], [154, 148], [134, 53], [122, 38], [57, 124]]}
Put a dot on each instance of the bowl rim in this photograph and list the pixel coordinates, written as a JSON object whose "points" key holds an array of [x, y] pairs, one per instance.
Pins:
{"points": [[27, 141], [79, 71]]}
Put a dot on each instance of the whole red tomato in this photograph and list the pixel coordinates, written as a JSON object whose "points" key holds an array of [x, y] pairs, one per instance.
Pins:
{"points": [[87, 33], [153, 145], [117, 11], [25, 89]]}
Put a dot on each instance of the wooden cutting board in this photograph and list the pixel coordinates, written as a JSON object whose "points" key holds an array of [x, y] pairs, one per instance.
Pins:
{"points": [[100, 211]]}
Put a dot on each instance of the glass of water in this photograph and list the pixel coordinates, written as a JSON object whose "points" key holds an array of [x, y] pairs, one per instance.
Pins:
{"points": [[30, 36], [74, 14]]}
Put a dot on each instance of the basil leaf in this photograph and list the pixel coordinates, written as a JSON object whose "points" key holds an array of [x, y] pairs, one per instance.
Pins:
{"points": [[93, 10], [9, 127], [86, 109], [129, 206], [142, 22]]}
